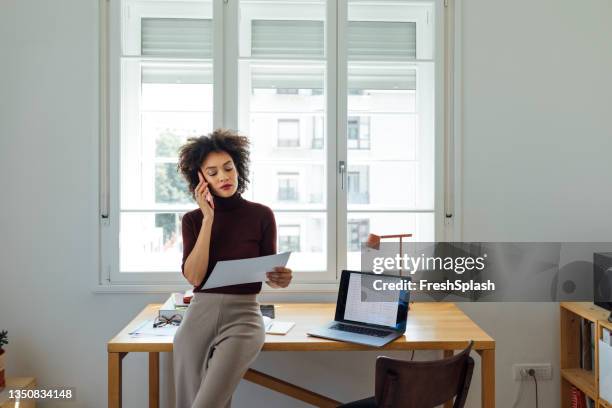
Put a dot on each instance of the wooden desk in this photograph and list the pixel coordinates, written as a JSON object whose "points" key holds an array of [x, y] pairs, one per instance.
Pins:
{"points": [[430, 326], [17, 383]]}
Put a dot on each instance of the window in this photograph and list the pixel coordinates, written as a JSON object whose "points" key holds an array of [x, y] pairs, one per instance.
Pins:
{"points": [[390, 120], [358, 231], [357, 185], [358, 132], [288, 133], [288, 238], [282, 47], [166, 81], [318, 130], [353, 103], [288, 186]]}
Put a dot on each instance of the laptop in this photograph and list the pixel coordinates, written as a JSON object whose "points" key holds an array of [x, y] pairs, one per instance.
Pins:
{"points": [[364, 313]]}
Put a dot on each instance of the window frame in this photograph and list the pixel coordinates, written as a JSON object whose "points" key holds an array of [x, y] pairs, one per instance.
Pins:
{"points": [[225, 101]]}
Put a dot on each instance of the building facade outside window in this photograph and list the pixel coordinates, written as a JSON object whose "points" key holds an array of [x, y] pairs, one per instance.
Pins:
{"points": [[288, 238], [288, 186], [318, 132], [288, 133], [358, 185], [358, 132], [358, 231], [287, 91]]}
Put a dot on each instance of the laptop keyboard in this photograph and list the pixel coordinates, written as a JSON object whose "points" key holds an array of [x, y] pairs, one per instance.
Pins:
{"points": [[360, 330]]}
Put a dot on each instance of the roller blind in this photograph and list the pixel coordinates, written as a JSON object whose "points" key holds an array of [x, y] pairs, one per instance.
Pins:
{"points": [[400, 76], [284, 77], [371, 40], [366, 39], [282, 38], [173, 74], [176, 37]]}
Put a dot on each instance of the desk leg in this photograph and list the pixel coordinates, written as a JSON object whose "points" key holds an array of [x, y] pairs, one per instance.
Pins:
{"points": [[154, 380], [487, 358], [114, 379], [289, 389], [447, 354]]}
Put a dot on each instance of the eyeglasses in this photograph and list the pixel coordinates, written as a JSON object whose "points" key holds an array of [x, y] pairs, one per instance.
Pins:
{"points": [[161, 321]]}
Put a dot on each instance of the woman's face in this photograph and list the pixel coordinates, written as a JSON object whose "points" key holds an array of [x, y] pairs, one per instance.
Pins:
{"points": [[220, 174]]}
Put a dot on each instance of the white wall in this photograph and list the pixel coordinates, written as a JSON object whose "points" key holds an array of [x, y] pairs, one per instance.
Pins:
{"points": [[537, 143], [537, 146]]}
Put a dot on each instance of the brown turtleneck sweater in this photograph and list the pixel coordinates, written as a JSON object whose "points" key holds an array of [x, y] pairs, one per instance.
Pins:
{"points": [[241, 229]]}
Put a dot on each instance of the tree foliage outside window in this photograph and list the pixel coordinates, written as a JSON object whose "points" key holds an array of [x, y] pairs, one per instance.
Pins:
{"points": [[170, 187], [168, 144], [167, 222]]}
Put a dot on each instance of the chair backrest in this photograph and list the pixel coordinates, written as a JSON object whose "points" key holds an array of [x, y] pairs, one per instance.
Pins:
{"points": [[423, 384]]}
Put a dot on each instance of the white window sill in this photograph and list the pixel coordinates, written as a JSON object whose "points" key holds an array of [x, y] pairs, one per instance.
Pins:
{"points": [[298, 292]]}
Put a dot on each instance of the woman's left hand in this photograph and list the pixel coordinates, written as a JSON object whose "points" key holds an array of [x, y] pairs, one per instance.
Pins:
{"points": [[279, 277]]}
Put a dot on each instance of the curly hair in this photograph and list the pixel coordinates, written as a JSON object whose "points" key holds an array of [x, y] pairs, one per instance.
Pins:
{"points": [[193, 153]]}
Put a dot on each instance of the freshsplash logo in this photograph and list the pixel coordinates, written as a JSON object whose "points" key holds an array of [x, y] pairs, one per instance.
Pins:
{"points": [[412, 264]]}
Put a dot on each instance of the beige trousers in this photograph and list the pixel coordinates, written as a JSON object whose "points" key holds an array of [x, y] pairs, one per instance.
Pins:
{"points": [[219, 338]]}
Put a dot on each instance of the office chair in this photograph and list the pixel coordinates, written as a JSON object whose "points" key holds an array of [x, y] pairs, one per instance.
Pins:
{"points": [[420, 384]]}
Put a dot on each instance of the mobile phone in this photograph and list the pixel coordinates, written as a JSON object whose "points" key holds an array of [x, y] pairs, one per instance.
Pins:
{"points": [[210, 200], [267, 310], [208, 195]]}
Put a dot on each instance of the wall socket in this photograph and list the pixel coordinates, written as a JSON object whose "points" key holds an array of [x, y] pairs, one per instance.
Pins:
{"points": [[542, 371]]}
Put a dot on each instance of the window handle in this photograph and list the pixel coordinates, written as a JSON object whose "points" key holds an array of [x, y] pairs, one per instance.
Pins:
{"points": [[342, 171]]}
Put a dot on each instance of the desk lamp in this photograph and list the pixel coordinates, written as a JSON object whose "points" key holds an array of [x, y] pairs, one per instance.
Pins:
{"points": [[374, 242]]}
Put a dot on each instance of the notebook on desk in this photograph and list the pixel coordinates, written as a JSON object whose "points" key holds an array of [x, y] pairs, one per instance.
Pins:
{"points": [[365, 315], [276, 327]]}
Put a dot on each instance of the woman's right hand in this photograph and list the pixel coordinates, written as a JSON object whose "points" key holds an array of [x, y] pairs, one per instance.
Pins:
{"points": [[201, 191]]}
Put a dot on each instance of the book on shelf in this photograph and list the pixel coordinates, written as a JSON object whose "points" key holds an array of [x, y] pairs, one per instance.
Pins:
{"points": [[605, 365], [587, 344], [578, 398], [607, 338]]}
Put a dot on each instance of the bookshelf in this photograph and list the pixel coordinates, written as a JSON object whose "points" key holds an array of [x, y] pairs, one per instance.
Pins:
{"points": [[572, 374]]}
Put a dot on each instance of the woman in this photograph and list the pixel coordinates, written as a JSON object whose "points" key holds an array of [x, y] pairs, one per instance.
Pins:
{"points": [[222, 331]]}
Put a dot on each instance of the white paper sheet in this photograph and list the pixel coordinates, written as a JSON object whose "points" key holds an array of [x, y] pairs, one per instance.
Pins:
{"points": [[248, 270], [605, 370], [147, 329], [276, 327]]}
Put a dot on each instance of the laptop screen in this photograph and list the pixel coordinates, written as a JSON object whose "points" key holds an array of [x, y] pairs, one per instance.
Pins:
{"points": [[360, 302]]}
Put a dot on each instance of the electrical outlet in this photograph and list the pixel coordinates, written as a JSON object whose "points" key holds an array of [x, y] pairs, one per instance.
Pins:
{"points": [[542, 371]]}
